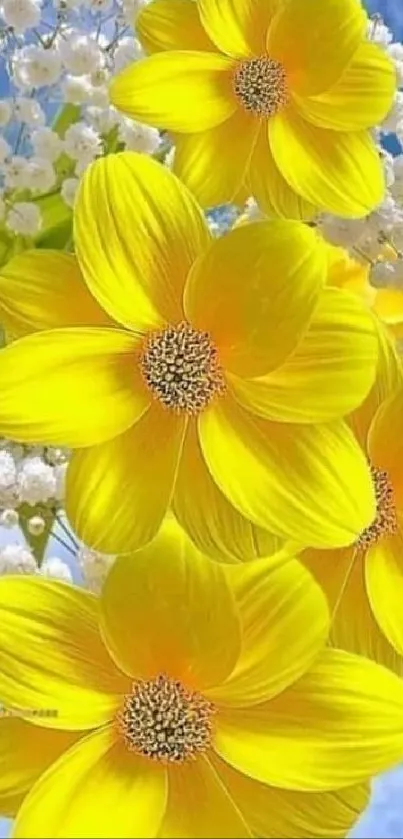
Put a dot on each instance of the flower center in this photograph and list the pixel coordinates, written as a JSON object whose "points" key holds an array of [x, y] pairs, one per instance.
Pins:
{"points": [[385, 521], [261, 85], [180, 366], [163, 720]]}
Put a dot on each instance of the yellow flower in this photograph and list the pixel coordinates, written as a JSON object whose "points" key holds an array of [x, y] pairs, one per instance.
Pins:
{"points": [[193, 699], [218, 386], [265, 97]]}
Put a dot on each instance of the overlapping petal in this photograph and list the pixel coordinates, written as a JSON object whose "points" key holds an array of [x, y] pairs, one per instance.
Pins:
{"points": [[361, 98], [97, 788], [309, 483], [255, 292], [180, 90], [45, 289], [54, 666], [118, 492], [384, 582], [385, 441], [329, 374], [316, 41], [172, 25], [202, 161], [238, 27], [178, 614], [345, 705], [340, 171], [135, 252], [73, 387], [285, 622]]}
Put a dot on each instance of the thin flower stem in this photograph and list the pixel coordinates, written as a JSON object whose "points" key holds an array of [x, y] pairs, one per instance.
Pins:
{"points": [[62, 542], [66, 530]]}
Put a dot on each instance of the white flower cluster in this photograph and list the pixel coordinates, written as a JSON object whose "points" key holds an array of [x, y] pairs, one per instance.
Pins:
{"points": [[30, 476], [94, 567], [60, 56], [18, 559]]}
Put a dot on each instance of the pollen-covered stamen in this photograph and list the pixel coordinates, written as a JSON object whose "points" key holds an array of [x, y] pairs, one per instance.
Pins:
{"points": [[261, 85], [180, 366], [163, 720], [385, 522]]}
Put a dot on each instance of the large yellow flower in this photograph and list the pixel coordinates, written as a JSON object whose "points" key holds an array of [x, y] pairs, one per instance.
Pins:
{"points": [[218, 386], [272, 98], [195, 699]]}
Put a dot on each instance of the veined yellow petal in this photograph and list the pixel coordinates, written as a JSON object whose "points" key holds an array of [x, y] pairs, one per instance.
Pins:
{"points": [[180, 90], [217, 818], [385, 441], [285, 623], [286, 814], [71, 387], [388, 305], [384, 581], [270, 189], [362, 96], [316, 41], [136, 251], [213, 524], [337, 725], [97, 788], [213, 163], [329, 374], [255, 291], [45, 289], [26, 751], [309, 483], [172, 25], [178, 616], [54, 666], [340, 172], [238, 27], [117, 493]]}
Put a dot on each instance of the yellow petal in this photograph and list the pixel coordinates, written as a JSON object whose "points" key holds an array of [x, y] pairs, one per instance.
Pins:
{"points": [[354, 628], [329, 374], [388, 305], [213, 163], [385, 441], [97, 788], [344, 271], [384, 580], [255, 291], [178, 615], [52, 658], [70, 387], [180, 90], [338, 725], [270, 189], [285, 623], [213, 524], [199, 805], [117, 493], [135, 251], [238, 27], [286, 814], [172, 25], [309, 483], [44, 290], [316, 40], [26, 751], [340, 172], [362, 96]]}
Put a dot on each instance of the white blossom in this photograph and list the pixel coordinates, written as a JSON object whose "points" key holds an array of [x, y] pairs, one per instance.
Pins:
{"points": [[128, 50], [16, 172], [80, 54], [36, 481], [21, 14], [136, 137], [5, 112], [82, 142], [56, 569], [8, 479], [94, 567], [35, 66], [17, 559], [9, 518], [24, 218], [5, 150], [41, 175], [36, 525], [68, 190], [102, 120], [46, 144], [29, 111]]}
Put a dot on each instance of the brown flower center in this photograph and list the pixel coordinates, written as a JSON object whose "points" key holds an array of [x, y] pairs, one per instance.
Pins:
{"points": [[261, 85], [180, 366], [163, 720], [385, 521]]}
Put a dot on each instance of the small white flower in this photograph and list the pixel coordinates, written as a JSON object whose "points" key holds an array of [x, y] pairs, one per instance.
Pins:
{"points": [[98, 5], [8, 479], [5, 150], [395, 115], [29, 111], [102, 119], [69, 190], [46, 144], [16, 173], [36, 66], [94, 567], [60, 471], [17, 559], [136, 137], [36, 481], [127, 51], [41, 175], [80, 54], [24, 219], [381, 274], [379, 32], [57, 569], [9, 518], [21, 14], [5, 112], [36, 525], [82, 142]]}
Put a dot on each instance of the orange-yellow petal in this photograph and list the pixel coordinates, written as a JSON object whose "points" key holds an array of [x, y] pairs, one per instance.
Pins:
{"points": [[172, 25], [71, 387], [316, 41], [255, 292], [385, 441], [178, 615], [117, 493], [135, 251], [384, 581]]}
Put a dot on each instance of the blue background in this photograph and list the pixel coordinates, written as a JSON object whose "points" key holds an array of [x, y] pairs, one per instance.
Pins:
{"points": [[384, 817]]}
